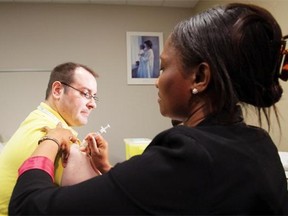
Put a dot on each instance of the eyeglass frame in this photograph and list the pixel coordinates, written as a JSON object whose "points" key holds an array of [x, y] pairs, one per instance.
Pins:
{"points": [[87, 95]]}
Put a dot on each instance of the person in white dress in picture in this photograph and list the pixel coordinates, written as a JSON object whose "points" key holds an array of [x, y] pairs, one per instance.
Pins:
{"points": [[146, 62]]}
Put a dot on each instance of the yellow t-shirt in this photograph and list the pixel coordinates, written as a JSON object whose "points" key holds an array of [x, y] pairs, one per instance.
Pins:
{"points": [[21, 146]]}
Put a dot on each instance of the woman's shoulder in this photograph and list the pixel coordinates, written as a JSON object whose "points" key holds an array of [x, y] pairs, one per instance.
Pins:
{"points": [[186, 131], [179, 135], [210, 136]]}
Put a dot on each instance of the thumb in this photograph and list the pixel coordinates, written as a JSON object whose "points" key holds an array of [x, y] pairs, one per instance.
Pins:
{"points": [[45, 129], [59, 125], [73, 139]]}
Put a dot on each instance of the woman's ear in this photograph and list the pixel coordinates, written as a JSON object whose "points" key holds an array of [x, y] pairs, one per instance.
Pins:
{"points": [[202, 77]]}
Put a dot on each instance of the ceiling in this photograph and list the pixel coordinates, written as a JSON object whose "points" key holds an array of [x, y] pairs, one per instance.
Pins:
{"points": [[160, 3]]}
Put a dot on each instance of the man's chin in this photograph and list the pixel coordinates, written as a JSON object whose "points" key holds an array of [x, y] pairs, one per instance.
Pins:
{"points": [[82, 124]]}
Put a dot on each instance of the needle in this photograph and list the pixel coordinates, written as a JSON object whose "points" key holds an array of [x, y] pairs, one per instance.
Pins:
{"points": [[101, 131]]}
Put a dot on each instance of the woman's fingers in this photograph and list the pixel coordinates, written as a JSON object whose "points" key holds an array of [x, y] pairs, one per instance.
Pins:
{"points": [[92, 145], [59, 125], [47, 129], [73, 139]]}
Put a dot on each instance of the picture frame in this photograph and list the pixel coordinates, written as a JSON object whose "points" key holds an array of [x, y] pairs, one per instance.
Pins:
{"points": [[143, 64]]}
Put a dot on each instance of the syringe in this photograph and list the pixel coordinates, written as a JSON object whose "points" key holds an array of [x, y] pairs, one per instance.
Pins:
{"points": [[101, 131]]}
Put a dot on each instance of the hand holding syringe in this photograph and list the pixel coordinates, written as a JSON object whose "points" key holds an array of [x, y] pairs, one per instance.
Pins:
{"points": [[101, 131], [81, 162]]}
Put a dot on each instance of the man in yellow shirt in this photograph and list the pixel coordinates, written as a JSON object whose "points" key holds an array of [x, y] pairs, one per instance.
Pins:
{"points": [[70, 98]]}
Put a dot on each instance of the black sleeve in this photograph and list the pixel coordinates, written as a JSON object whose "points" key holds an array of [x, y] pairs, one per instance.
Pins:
{"points": [[170, 177], [35, 194]]}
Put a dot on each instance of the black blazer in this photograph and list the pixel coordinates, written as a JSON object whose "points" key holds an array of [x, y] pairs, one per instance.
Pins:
{"points": [[210, 169]]}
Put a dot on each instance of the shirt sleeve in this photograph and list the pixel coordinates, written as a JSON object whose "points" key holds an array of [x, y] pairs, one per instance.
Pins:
{"points": [[148, 184]]}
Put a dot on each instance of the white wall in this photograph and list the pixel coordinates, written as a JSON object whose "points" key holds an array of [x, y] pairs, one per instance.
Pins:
{"points": [[43, 35]]}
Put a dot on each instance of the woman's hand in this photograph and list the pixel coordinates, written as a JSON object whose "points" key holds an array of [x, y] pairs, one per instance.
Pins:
{"points": [[97, 148], [65, 139]]}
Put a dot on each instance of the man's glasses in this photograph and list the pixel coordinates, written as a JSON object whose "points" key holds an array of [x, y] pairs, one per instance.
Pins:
{"points": [[84, 94]]}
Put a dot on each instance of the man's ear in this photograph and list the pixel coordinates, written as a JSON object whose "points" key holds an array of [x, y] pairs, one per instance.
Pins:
{"points": [[57, 89], [202, 77]]}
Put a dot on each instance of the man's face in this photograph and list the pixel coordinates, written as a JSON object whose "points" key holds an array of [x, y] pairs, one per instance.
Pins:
{"points": [[73, 106]]}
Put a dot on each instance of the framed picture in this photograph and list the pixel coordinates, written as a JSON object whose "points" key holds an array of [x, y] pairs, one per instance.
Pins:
{"points": [[143, 57]]}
